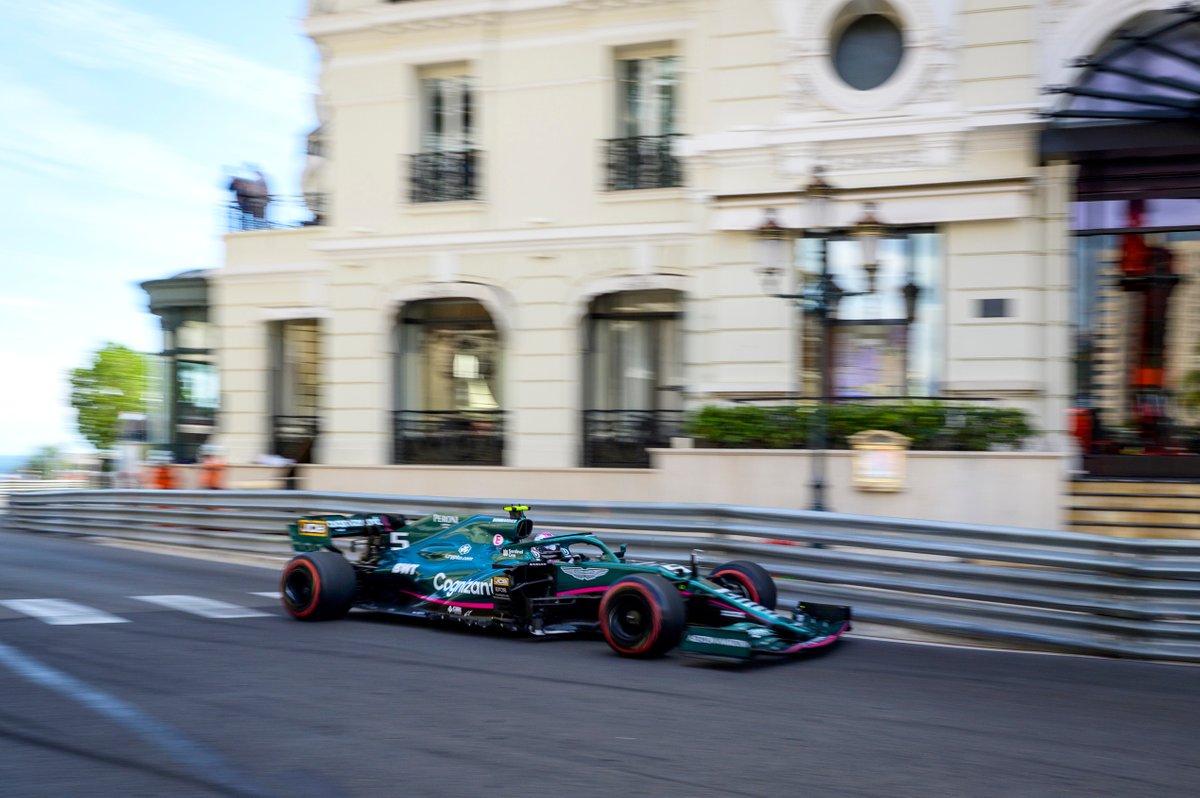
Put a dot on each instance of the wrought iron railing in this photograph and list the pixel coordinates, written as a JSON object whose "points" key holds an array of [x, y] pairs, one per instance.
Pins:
{"points": [[274, 212], [448, 437], [444, 176], [623, 438], [293, 437], [642, 162]]}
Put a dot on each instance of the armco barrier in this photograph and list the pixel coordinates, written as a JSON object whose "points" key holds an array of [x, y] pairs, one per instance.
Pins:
{"points": [[1124, 597]]}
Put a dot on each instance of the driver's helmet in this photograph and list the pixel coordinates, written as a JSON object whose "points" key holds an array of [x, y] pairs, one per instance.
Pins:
{"points": [[551, 551]]}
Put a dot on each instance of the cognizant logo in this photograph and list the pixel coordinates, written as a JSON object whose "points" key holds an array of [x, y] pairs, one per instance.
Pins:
{"points": [[447, 586]]}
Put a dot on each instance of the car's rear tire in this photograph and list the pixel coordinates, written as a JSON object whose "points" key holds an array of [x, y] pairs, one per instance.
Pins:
{"points": [[317, 586], [642, 616], [747, 579]]}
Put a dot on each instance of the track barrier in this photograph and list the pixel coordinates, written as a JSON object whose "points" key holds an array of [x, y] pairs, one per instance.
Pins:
{"points": [[1039, 588]]}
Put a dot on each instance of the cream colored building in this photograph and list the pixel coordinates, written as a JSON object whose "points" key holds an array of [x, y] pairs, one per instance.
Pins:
{"points": [[537, 221]]}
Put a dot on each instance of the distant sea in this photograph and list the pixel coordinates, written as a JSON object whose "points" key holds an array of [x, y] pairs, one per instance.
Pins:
{"points": [[9, 463]]}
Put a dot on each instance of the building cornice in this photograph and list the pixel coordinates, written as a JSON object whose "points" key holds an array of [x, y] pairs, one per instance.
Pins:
{"points": [[404, 17], [532, 239], [918, 204]]}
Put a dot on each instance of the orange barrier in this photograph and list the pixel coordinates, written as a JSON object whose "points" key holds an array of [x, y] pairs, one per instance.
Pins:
{"points": [[212, 472], [163, 477]]}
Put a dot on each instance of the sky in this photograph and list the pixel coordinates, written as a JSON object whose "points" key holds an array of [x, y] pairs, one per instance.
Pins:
{"points": [[120, 123]]}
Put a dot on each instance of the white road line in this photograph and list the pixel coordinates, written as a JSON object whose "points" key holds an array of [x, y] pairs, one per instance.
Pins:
{"points": [[206, 764], [272, 594], [61, 612], [207, 608]]}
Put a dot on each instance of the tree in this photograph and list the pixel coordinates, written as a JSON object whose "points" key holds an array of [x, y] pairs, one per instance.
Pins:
{"points": [[116, 382], [45, 462]]}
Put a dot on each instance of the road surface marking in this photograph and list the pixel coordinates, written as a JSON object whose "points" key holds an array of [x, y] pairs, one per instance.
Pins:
{"points": [[207, 608], [61, 612], [205, 764]]}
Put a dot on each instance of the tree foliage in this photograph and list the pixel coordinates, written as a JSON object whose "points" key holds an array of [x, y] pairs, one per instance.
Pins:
{"points": [[46, 462], [117, 381]]}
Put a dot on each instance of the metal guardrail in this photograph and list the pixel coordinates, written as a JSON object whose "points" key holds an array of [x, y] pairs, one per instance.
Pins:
{"points": [[27, 485], [10, 486], [1061, 590]]}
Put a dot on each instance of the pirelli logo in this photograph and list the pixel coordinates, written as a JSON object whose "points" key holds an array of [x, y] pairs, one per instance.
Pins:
{"points": [[313, 529], [501, 581]]}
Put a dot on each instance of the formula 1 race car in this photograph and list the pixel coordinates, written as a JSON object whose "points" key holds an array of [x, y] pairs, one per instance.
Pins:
{"points": [[495, 571]]}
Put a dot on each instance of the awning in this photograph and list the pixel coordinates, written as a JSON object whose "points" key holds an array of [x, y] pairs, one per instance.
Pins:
{"points": [[1137, 98], [1145, 74]]}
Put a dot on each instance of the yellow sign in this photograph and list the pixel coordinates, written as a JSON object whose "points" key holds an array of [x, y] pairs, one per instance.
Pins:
{"points": [[880, 460], [313, 529]]}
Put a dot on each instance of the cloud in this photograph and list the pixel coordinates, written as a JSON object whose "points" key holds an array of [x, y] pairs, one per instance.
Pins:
{"points": [[52, 139], [41, 404], [98, 34], [22, 303]]}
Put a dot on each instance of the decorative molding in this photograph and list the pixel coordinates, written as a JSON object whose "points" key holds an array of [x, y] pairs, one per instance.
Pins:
{"points": [[905, 205], [498, 301], [931, 150], [577, 307], [445, 267], [927, 73], [541, 238], [293, 312], [605, 5], [406, 17]]}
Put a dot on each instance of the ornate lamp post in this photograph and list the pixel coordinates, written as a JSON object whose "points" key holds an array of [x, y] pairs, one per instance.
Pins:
{"points": [[821, 298]]}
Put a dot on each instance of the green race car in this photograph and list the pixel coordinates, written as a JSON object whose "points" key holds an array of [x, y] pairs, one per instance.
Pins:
{"points": [[496, 571]]}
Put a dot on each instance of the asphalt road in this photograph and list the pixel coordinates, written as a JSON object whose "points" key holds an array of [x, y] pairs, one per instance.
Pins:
{"points": [[160, 701]]}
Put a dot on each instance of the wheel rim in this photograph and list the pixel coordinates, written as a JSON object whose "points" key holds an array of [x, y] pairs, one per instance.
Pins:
{"points": [[298, 588], [630, 619]]}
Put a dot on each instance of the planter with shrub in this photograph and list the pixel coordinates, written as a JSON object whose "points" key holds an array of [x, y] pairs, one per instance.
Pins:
{"points": [[931, 425]]}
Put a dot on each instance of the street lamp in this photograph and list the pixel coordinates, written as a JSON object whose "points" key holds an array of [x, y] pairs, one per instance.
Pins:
{"points": [[821, 299]]}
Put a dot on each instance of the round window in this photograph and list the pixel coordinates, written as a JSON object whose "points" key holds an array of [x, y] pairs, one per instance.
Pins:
{"points": [[868, 52]]}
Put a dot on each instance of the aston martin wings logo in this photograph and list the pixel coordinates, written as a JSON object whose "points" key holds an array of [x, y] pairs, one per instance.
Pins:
{"points": [[585, 574]]}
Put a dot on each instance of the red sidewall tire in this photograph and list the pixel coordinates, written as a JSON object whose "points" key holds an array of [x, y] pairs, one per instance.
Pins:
{"points": [[314, 576], [752, 577], [740, 578], [318, 586], [655, 621], [632, 634]]}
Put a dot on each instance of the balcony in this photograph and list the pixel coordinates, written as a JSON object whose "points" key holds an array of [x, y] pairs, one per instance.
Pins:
{"points": [[275, 212], [642, 162], [622, 438], [451, 176], [448, 437]]}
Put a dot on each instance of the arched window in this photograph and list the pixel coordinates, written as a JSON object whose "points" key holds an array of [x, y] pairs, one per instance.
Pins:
{"points": [[295, 388], [633, 365], [447, 384]]}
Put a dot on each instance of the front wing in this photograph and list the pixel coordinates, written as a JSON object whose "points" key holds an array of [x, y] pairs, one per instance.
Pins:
{"points": [[811, 627]]}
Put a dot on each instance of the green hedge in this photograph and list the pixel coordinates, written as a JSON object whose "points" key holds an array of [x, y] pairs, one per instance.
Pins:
{"points": [[930, 425]]}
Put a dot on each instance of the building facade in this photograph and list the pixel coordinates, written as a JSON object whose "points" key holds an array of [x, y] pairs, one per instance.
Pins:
{"points": [[532, 226]]}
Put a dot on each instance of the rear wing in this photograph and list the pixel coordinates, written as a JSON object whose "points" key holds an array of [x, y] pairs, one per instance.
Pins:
{"points": [[317, 532]]}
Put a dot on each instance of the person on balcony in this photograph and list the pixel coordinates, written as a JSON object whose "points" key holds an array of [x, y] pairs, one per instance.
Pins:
{"points": [[252, 196]]}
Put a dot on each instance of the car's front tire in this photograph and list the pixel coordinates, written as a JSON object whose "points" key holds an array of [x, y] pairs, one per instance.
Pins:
{"points": [[642, 616], [317, 586], [747, 579]]}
